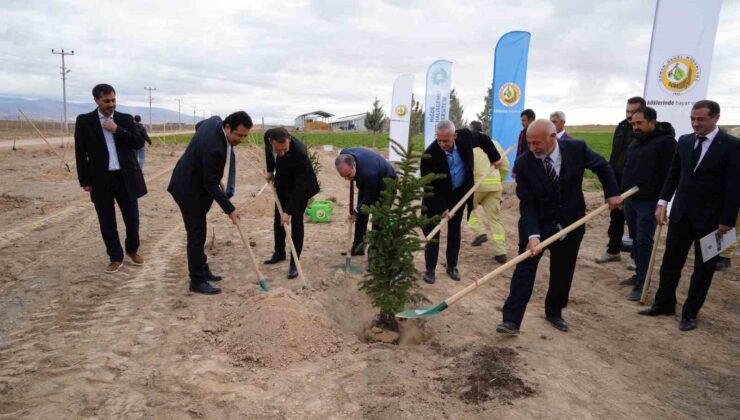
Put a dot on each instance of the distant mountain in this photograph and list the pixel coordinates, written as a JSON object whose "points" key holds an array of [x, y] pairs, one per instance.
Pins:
{"points": [[50, 110]]}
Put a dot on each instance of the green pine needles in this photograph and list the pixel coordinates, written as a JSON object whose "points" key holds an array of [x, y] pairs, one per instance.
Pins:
{"points": [[391, 279]]}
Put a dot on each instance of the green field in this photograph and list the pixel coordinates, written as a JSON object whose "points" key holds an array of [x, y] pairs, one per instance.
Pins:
{"points": [[600, 142]]}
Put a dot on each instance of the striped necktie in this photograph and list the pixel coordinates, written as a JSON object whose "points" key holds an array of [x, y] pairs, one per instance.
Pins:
{"points": [[550, 169]]}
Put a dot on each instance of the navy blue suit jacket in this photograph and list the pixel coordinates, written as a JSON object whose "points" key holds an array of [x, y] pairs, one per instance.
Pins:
{"points": [[92, 155], [710, 195], [197, 175], [544, 205], [372, 168]]}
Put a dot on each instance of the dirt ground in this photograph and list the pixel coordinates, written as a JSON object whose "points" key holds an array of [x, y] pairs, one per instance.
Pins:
{"points": [[77, 343]]}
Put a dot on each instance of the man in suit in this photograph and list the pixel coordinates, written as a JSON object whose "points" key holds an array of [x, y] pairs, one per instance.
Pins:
{"points": [[451, 155], [558, 118], [704, 175], [195, 184], [648, 158], [289, 168], [549, 187], [366, 169], [105, 145], [141, 153], [620, 142], [527, 116]]}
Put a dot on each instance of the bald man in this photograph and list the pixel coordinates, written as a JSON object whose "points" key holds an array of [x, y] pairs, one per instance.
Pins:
{"points": [[549, 178]]}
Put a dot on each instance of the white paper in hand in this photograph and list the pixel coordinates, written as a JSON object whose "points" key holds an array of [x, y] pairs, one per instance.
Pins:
{"points": [[711, 246]]}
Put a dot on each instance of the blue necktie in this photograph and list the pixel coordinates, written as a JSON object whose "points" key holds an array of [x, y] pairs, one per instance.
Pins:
{"points": [[231, 182]]}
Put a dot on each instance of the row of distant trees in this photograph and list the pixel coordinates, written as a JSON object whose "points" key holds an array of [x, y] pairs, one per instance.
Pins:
{"points": [[376, 120]]}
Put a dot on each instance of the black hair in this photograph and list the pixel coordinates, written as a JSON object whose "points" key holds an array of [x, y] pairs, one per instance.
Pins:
{"points": [[529, 113], [637, 100], [102, 89], [706, 103], [650, 114], [476, 126], [279, 134], [137, 118], [238, 118]]}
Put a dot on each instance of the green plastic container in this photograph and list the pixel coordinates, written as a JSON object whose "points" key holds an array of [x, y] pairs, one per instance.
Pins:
{"points": [[320, 211]]}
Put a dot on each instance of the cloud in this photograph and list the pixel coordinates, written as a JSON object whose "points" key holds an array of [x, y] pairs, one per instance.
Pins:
{"points": [[278, 59]]}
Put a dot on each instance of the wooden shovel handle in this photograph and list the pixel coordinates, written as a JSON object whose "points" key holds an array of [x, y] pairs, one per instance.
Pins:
{"points": [[649, 275], [289, 236]]}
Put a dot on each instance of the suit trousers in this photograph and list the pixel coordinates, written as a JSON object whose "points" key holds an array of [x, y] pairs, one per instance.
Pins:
{"points": [[106, 211], [681, 235], [296, 228], [431, 250], [194, 216], [563, 255], [616, 228]]}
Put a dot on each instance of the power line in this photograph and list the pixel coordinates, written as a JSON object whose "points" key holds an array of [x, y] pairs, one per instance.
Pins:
{"points": [[64, 84], [150, 89]]}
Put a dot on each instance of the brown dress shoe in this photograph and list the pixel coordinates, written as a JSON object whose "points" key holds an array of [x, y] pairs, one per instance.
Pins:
{"points": [[113, 267], [136, 259]]}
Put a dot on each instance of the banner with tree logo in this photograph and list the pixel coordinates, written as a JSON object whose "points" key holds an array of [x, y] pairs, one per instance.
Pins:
{"points": [[400, 114], [437, 101]]}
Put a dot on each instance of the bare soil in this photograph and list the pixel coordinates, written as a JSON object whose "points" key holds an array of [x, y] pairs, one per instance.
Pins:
{"points": [[76, 343]]}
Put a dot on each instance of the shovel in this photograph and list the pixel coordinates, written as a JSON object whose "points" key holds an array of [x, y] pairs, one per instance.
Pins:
{"points": [[262, 282], [348, 267], [290, 239], [428, 312], [649, 275]]}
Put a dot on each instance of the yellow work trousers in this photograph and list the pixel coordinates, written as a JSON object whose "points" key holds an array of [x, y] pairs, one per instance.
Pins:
{"points": [[727, 253], [490, 202]]}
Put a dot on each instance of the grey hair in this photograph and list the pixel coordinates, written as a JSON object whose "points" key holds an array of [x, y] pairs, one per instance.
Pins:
{"points": [[445, 125], [542, 123], [560, 115], [344, 159]]}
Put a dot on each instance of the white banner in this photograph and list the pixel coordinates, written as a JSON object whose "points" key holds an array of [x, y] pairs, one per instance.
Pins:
{"points": [[680, 58], [401, 107], [437, 100]]}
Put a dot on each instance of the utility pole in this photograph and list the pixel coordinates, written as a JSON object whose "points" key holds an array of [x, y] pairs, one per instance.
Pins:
{"points": [[193, 115], [179, 122], [150, 89], [64, 84]]}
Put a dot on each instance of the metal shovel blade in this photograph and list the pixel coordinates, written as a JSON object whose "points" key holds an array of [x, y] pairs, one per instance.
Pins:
{"points": [[423, 312]]}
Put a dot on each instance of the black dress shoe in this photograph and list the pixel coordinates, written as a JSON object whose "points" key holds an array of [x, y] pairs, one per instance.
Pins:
{"points": [[687, 324], [508, 327], [558, 323], [429, 277], [453, 273], [501, 259], [204, 288], [479, 240], [292, 272], [276, 258], [655, 311], [212, 277], [635, 294]]}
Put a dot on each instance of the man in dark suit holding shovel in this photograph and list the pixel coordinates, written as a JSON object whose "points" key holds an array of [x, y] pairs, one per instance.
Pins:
{"points": [[549, 186], [195, 184]]}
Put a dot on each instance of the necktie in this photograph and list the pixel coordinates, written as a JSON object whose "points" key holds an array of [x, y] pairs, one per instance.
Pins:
{"points": [[697, 151], [351, 197], [231, 181], [550, 169]]}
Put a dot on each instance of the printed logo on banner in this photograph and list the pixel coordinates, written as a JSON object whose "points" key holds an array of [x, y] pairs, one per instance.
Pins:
{"points": [[679, 74], [439, 76], [401, 110], [509, 94]]}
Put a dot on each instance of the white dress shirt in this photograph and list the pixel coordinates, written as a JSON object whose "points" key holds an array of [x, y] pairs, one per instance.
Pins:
{"points": [[110, 143], [560, 134], [704, 147]]}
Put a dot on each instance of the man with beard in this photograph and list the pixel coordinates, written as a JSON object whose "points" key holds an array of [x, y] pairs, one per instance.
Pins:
{"points": [[648, 158]]}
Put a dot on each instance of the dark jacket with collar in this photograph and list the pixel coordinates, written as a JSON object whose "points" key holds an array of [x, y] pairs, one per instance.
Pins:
{"points": [[294, 176], [196, 177], [92, 156], [621, 139], [648, 160], [544, 205], [436, 162], [566, 136], [710, 195], [372, 169]]}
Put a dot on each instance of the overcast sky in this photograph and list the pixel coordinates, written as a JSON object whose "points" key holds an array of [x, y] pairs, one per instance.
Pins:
{"points": [[278, 59]]}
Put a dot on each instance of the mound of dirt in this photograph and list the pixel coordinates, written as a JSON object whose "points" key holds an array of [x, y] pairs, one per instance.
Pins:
{"points": [[276, 329], [490, 372]]}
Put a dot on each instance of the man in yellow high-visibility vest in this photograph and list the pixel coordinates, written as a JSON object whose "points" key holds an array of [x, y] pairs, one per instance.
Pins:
{"points": [[488, 197]]}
